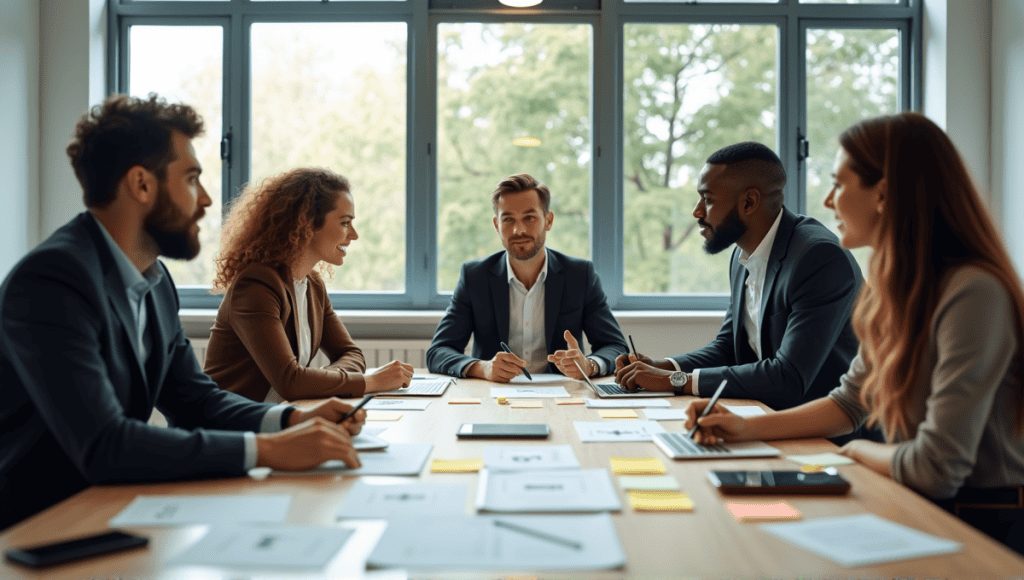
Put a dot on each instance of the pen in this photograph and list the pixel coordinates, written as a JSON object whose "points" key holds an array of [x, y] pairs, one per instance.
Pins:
{"points": [[365, 400], [633, 346], [505, 348], [714, 399], [539, 535]]}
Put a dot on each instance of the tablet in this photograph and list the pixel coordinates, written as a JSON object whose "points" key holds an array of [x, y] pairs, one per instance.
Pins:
{"points": [[503, 430], [826, 482]]}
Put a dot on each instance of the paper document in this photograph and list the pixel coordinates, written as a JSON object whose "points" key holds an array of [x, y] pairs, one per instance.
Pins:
{"points": [[617, 413], [626, 403], [561, 490], [591, 431], [746, 410], [368, 439], [549, 378], [665, 414], [649, 482], [398, 459], [519, 458], [861, 540], [501, 543], [527, 392], [823, 459], [178, 510], [398, 404], [407, 499], [270, 546]]}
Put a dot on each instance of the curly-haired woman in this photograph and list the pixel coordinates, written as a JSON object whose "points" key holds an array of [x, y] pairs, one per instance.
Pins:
{"points": [[941, 326], [276, 313]]}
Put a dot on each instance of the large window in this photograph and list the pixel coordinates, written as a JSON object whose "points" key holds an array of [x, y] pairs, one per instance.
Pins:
{"points": [[426, 104]]}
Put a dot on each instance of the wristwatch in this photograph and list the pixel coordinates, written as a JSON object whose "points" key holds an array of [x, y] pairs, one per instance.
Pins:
{"points": [[678, 381]]}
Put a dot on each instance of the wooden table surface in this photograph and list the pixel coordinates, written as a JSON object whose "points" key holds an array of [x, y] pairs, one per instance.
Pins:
{"points": [[707, 543]]}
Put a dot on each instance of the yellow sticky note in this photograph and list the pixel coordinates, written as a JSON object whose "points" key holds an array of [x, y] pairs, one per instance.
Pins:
{"points": [[383, 415], [617, 413], [660, 501], [527, 404], [465, 401], [637, 466], [570, 401], [456, 465], [763, 511]]}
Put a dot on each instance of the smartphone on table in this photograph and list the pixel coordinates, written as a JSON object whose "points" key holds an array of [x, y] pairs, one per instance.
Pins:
{"points": [[827, 482], [75, 548], [503, 431]]}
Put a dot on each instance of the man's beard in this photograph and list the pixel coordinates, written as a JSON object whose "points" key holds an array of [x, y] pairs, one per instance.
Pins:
{"points": [[726, 234], [171, 229], [526, 254]]}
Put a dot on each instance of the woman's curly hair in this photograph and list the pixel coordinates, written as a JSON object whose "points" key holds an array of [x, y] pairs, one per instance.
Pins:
{"points": [[272, 223]]}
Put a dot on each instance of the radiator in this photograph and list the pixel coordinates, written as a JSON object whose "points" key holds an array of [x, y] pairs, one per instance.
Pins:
{"points": [[377, 351]]}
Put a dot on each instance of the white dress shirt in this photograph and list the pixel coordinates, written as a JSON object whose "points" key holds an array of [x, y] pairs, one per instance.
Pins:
{"points": [[526, 319]]}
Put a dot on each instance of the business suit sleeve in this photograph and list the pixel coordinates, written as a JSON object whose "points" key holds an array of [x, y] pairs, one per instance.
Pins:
{"points": [[79, 404], [599, 324], [446, 354], [821, 291], [256, 317]]}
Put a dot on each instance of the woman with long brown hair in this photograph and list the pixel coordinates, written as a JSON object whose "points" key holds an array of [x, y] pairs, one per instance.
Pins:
{"points": [[941, 325], [276, 313]]}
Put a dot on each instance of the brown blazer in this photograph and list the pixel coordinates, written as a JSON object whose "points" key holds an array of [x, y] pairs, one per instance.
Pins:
{"points": [[253, 342]]}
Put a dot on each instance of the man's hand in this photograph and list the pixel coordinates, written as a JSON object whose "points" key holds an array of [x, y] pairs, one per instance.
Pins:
{"points": [[394, 375], [331, 410], [720, 423], [564, 359], [306, 445], [646, 375], [500, 369], [623, 360]]}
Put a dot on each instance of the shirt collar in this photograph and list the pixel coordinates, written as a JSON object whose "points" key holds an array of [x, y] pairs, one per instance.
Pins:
{"points": [[759, 258], [135, 283], [540, 278]]}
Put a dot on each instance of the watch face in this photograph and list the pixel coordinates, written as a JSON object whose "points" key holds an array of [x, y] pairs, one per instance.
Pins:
{"points": [[677, 379]]}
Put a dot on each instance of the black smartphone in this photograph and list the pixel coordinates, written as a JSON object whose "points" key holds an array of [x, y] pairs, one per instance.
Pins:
{"points": [[826, 482], [75, 548], [503, 430], [346, 416]]}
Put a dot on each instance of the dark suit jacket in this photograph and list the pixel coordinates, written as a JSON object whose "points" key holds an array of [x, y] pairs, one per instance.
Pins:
{"points": [[573, 300], [806, 340], [76, 396]]}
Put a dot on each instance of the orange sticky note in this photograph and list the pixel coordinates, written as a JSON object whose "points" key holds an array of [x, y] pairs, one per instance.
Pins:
{"points": [[465, 401], [456, 465], [383, 415], [527, 404], [570, 401], [617, 413], [660, 501], [763, 512]]}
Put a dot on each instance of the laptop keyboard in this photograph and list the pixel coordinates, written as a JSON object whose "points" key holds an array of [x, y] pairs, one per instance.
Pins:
{"points": [[682, 445], [612, 389], [426, 387]]}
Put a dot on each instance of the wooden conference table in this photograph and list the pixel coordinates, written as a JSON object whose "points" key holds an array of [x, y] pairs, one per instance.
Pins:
{"points": [[705, 543]]}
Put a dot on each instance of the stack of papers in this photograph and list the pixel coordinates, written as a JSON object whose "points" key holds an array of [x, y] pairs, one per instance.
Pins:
{"points": [[561, 490], [179, 510]]}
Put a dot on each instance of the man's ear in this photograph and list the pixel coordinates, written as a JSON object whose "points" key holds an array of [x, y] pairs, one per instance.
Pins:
{"points": [[495, 221], [140, 184], [550, 218], [749, 200]]}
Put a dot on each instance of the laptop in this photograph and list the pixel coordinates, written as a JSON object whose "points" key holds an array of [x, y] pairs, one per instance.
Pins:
{"points": [[678, 445], [614, 391], [421, 387]]}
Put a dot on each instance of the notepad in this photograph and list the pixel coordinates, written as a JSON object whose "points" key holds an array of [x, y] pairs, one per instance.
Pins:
{"points": [[637, 466], [465, 401], [763, 511], [570, 401], [527, 404], [617, 414], [649, 482], [456, 465], [660, 501], [383, 415]]}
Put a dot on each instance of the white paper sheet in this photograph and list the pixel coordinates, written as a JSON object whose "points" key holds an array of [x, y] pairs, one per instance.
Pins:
{"points": [[368, 439], [403, 500], [528, 392], [519, 543], [561, 490], [398, 404], [521, 457], [593, 431], [178, 510], [397, 459], [649, 482], [665, 414], [540, 378], [266, 546], [746, 410], [861, 540], [626, 403]]}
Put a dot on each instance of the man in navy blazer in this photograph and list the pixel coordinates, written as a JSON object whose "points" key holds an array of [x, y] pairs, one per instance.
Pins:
{"points": [[534, 299], [90, 340], [786, 338]]}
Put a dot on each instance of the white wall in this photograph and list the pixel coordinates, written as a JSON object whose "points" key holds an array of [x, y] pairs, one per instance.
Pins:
{"points": [[19, 125], [1008, 123]]}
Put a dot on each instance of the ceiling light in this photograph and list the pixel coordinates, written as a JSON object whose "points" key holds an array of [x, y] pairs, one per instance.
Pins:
{"points": [[526, 141], [520, 3]]}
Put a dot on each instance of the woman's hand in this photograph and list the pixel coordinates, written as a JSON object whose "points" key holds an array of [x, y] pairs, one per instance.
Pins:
{"points": [[394, 375]]}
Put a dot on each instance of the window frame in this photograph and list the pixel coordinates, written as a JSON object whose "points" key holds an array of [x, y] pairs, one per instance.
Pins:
{"points": [[608, 19]]}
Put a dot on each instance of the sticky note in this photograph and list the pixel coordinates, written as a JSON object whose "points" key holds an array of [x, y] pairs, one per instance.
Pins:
{"points": [[456, 465], [617, 413], [465, 401], [823, 459], [527, 404], [660, 501], [383, 415], [649, 482], [502, 401], [763, 511], [637, 466], [570, 401]]}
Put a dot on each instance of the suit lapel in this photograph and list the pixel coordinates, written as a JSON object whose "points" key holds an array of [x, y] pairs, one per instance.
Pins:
{"points": [[739, 277], [119, 302], [553, 287], [779, 249], [158, 326], [499, 297]]}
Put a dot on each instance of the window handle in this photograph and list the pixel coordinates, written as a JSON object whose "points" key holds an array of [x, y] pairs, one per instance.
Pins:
{"points": [[225, 148]]}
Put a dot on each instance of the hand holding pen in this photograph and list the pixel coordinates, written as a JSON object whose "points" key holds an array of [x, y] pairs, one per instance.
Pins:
{"points": [[715, 422], [522, 366], [504, 367]]}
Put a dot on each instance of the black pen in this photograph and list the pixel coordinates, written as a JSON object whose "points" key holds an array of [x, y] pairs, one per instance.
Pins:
{"points": [[505, 348], [365, 400], [539, 535], [633, 346], [714, 399]]}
